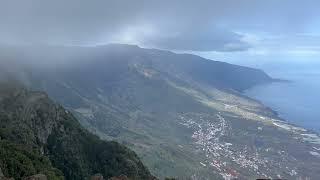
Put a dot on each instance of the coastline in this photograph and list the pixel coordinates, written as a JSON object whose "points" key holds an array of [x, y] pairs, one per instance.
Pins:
{"points": [[277, 113]]}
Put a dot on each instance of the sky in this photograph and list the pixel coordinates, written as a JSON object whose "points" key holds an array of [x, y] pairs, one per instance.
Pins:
{"points": [[234, 30]]}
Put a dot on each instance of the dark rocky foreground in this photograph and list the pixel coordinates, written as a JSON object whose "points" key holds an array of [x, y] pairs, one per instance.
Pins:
{"points": [[41, 140]]}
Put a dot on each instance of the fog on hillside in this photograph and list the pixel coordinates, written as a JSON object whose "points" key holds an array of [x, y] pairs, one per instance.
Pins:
{"points": [[170, 89]]}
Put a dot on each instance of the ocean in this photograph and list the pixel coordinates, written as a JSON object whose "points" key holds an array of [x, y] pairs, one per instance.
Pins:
{"points": [[298, 101]]}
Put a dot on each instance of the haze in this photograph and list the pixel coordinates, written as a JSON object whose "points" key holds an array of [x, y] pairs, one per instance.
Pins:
{"points": [[258, 28]]}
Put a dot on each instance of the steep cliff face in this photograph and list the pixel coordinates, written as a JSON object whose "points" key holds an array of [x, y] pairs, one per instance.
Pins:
{"points": [[38, 136]]}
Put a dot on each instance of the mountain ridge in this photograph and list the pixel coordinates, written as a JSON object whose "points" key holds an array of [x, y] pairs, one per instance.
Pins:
{"points": [[189, 63]]}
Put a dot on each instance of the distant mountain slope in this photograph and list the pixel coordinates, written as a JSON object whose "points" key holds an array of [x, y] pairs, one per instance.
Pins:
{"points": [[182, 114], [110, 60], [38, 136]]}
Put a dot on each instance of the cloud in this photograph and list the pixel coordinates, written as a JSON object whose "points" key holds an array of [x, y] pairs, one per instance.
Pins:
{"points": [[200, 40], [204, 25]]}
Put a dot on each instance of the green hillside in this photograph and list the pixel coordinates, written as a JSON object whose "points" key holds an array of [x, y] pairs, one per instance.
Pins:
{"points": [[40, 137]]}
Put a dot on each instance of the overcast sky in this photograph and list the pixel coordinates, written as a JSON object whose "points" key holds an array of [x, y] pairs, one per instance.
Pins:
{"points": [[213, 28]]}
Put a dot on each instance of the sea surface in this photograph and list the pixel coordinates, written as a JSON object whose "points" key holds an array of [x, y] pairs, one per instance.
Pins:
{"points": [[298, 101]]}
